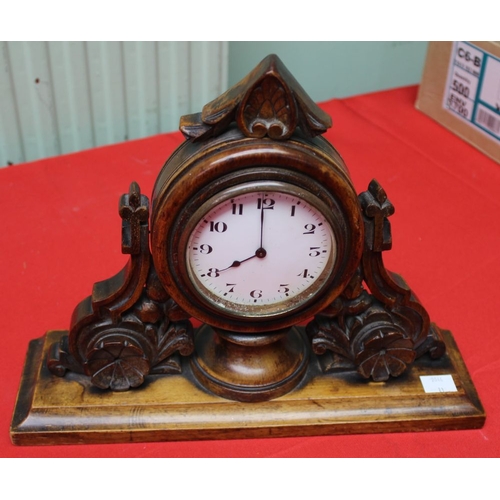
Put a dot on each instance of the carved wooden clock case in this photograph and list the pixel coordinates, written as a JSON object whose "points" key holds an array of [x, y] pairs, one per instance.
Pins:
{"points": [[255, 301]]}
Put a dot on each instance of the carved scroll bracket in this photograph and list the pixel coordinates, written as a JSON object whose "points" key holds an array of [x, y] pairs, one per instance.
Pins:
{"points": [[129, 327], [383, 328]]}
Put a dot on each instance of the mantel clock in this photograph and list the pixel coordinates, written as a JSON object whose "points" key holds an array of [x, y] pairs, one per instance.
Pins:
{"points": [[255, 285]]}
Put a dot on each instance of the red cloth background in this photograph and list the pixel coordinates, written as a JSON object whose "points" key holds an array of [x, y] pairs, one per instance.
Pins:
{"points": [[61, 233]]}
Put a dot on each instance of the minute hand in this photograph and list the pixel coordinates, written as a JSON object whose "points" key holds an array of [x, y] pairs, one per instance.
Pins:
{"points": [[261, 222]]}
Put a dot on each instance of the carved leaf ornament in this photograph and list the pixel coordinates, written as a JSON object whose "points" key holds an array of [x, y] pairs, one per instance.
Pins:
{"points": [[267, 110]]}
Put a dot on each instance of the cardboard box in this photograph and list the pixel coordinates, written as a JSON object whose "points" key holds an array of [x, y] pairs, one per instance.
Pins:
{"points": [[460, 89]]}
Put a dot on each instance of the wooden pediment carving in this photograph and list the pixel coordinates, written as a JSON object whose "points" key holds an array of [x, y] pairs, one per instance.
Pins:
{"points": [[267, 102]]}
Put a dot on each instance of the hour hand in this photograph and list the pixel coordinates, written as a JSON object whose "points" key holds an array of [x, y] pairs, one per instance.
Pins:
{"points": [[259, 253]]}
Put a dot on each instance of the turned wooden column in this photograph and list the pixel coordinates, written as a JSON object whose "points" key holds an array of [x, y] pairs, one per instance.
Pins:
{"points": [[249, 367]]}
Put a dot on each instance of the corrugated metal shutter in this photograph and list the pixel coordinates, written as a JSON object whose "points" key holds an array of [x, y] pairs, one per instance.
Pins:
{"points": [[58, 97]]}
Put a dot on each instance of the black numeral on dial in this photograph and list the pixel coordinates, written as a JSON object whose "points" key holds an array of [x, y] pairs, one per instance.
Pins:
{"points": [[205, 249], [305, 274], [266, 203], [218, 227], [314, 252], [237, 209]]}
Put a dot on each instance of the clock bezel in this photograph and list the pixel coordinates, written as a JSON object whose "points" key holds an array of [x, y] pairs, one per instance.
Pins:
{"points": [[193, 176], [260, 311]]}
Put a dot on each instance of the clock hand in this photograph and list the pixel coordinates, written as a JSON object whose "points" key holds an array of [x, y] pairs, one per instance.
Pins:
{"points": [[261, 221], [259, 253]]}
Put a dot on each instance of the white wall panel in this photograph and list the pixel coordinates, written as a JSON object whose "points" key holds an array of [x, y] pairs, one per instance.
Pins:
{"points": [[174, 73], [33, 87], [11, 145], [71, 95], [207, 71], [107, 91], [141, 88], [58, 97]]}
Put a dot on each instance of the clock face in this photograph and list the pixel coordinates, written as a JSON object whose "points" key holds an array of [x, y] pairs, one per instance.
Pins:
{"points": [[260, 249]]}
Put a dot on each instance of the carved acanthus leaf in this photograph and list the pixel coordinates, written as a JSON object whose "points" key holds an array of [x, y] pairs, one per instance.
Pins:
{"points": [[177, 336]]}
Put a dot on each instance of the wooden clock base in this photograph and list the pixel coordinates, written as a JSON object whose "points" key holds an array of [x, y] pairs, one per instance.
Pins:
{"points": [[54, 410]]}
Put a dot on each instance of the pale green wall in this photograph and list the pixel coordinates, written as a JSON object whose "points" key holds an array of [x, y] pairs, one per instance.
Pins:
{"points": [[336, 69]]}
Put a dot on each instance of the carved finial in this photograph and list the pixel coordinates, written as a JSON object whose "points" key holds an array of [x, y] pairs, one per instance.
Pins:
{"points": [[269, 101], [377, 208], [134, 195], [134, 210]]}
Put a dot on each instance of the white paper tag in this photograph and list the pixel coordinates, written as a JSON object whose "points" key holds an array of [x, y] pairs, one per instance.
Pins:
{"points": [[438, 383], [473, 88]]}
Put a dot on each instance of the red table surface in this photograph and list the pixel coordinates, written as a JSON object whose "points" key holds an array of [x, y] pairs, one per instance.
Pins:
{"points": [[61, 233]]}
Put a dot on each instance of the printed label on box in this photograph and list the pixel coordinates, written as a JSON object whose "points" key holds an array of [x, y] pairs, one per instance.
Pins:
{"points": [[438, 383], [473, 88]]}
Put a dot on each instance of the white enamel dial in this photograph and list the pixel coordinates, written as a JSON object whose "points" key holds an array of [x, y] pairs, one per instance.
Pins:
{"points": [[261, 252]]}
